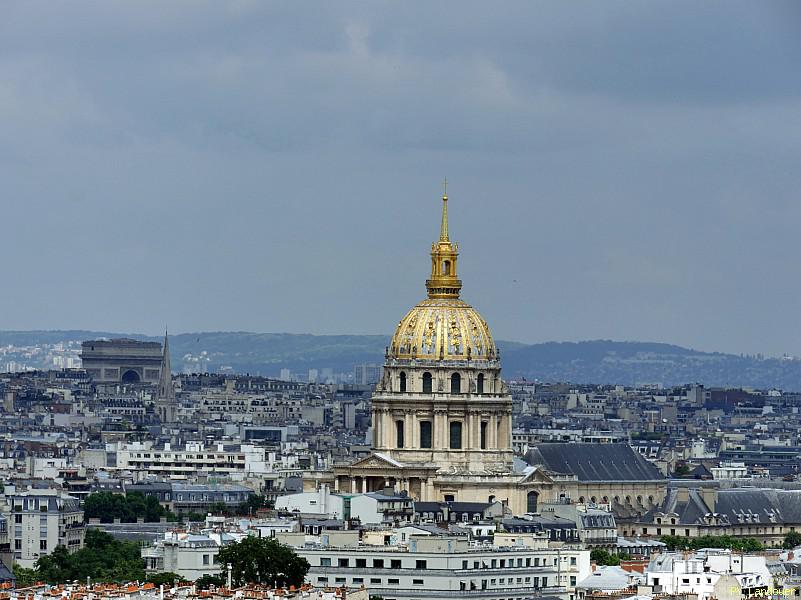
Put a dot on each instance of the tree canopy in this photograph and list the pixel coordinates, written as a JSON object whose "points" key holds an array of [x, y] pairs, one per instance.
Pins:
{"points": [[602, 557], [675, 542], [263, 560], [792, 540], [102, 558], [107, 506]]}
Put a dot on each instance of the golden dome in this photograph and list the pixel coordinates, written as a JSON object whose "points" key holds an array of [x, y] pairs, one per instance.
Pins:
{"points": [[443, 326]]}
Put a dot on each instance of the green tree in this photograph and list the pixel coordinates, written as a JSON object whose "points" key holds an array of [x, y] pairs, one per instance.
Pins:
{"points": [[712, 541], [792, 540], [219, 508], [263, 560], [166, 578], [681, 470], [252, 504], [102, 558], [25, 577], [107, 506], [207, 581], [602, 557]]}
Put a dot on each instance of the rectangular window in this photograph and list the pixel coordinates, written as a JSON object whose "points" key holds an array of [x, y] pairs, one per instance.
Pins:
{"points": [[572, 561], [17, 544], [464, 564], [420, 564], [206, 559], [393, 581], [322, 579], [343, 562], [395, 563], [425, 434], [572, 581], [340, 580], [456, 435], [42, 544], [361, 563], [358, 580], [325, 562], [399, 433], [378, 563], [483, 435], [375, 580]]}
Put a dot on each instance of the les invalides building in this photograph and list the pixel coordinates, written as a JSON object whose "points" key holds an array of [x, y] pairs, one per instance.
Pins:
{"points": [[441, 414]]}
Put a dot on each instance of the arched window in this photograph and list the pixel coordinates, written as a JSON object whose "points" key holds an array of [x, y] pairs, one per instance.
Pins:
{"points": [[456, 435], [484, 425], [581, 499], [456, 383], [399, 433], [480, 383], [403, 381], [427, 387], [446, 267], [425, 434], [531, 502], [592, 499]]}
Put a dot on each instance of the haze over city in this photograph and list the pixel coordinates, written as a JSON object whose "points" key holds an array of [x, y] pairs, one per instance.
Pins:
{"points": [[623, 171]]}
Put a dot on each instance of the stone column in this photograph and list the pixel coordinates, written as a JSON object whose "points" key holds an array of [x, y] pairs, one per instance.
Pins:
{"points": [[364, 485], [336, 484], [506, 430], [352, 484], [408, 440], [440, 424]]}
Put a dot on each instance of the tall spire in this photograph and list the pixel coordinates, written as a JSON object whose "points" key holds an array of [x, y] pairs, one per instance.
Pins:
{"points": [[166, 391], [443, 228], [443, 282]]}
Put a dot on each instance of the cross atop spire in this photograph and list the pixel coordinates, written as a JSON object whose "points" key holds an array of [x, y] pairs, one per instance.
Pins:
{"points": [[443, 228]]}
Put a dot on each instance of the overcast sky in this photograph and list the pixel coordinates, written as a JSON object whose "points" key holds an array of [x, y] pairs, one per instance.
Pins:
{"points": [[624, 170]]}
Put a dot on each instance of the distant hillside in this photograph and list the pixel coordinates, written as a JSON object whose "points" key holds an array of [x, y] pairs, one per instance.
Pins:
{"points": [[604, 361], [599, 361]]}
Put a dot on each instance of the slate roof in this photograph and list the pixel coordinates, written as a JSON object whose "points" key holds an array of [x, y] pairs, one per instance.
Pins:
{"points": [[594, 462], [737, 505]]}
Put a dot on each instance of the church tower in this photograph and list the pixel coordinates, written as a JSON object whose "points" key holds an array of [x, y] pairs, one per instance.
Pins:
{"points": [[166, 404], [441, 400]]}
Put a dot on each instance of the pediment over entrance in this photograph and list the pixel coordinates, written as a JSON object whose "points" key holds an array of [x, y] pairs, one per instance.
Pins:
{"points": [[377, 460], [535, 475]]}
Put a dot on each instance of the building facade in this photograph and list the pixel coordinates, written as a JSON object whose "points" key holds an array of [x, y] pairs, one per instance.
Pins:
{"points": [[40, 520], [122, 361]]}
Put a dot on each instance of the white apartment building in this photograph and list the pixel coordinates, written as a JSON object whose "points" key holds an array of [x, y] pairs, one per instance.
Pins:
{"points": [[187, 555], [40, 520], [432, 566], [236, 461], [698, 573], [318, 502]]}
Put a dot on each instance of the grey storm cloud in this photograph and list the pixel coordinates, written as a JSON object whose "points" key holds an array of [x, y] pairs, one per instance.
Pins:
{"points": [[618, 170]]}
